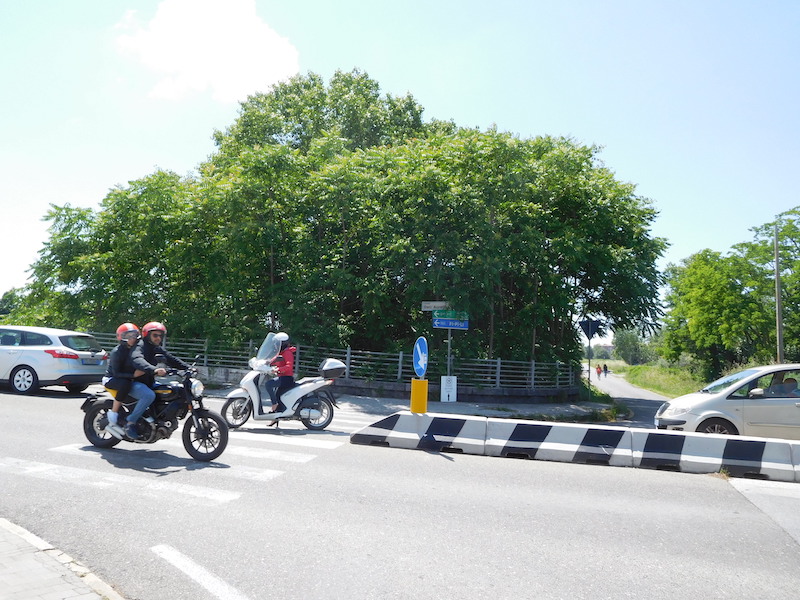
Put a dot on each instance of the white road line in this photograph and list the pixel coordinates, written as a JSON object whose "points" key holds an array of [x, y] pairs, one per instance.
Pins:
{"points": [[157, 462], [285, 439], [200, 575], [279, 455], [95, 479]]}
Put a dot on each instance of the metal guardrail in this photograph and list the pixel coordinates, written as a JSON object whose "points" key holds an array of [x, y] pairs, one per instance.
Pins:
{"points": [[381, 366]]}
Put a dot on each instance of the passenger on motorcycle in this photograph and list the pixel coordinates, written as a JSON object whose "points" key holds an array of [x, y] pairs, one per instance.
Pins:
{"points": [[119, 378], [284, 368]]}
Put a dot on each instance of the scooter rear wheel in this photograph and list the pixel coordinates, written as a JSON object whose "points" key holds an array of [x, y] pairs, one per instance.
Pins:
{"points": [[325, 418], [236, 411]]}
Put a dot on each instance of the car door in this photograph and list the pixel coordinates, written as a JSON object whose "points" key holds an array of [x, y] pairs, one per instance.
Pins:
{"points": [[777, 412], [10, 351]]}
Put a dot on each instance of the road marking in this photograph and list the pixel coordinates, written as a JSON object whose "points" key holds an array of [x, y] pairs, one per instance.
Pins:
{"points": [[98, 480], [279, 455], [285, 439], [200, 575], [157, 462]]}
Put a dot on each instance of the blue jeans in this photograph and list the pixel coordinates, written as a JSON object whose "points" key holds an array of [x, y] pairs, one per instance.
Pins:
{"points": [[144, 398]]}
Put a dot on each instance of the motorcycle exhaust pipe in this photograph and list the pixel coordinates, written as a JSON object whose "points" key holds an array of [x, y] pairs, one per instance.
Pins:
{"points": [[310, 413]]}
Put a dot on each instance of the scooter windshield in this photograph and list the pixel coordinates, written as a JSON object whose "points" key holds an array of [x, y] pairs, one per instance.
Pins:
{"points": [[269, 348]]}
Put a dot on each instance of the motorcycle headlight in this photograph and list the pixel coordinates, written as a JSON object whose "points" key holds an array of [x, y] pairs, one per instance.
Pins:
{"points": [[197, 388]]}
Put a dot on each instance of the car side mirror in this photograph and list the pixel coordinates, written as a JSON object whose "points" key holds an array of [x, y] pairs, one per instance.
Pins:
{"points": [[756, 393]]}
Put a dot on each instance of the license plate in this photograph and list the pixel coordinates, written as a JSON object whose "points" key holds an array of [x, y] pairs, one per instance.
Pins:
{"points": [[90, 361]]}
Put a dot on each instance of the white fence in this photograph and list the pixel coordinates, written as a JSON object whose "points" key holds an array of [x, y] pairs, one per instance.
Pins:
{"points": [[383, 366]]}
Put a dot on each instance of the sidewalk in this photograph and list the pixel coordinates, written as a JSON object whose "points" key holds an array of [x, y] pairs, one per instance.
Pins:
{"points": [[31, 569]]}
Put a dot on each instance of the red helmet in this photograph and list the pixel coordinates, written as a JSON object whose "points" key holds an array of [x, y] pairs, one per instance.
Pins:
{"points": [[125, 328], [153, 326]]}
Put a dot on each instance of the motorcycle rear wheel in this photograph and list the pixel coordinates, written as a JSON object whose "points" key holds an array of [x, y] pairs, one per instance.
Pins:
{"points": [[236, 411], [209, 440], [94, 425], [325, 418]]}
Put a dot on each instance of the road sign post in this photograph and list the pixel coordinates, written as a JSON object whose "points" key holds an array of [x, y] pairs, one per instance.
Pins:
{"points": [[419, 387]]}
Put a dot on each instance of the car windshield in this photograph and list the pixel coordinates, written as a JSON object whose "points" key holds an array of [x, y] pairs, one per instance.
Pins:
{"points": [[81, 343], [728, 380]]}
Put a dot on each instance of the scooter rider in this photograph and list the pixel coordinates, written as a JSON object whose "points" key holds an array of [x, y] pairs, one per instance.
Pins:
{"points": [[284, 368], [146, 356]]}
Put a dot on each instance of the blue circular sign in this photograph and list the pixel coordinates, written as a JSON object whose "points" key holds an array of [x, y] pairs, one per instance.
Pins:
{"points": [[420, 356]]}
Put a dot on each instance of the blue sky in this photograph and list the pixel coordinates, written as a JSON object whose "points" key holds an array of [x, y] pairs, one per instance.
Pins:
{"points": [[695, 102]]}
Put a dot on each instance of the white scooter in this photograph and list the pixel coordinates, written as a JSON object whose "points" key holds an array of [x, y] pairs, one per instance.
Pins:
{"points": [[309, 401]]}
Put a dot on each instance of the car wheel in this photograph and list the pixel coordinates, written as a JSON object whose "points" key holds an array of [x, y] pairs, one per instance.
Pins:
{"points": [[717, 426], [24, 380], [76, 388]]}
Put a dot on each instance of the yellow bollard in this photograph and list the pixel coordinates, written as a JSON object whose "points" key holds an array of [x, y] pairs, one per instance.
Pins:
{"points": [[419, 395]]}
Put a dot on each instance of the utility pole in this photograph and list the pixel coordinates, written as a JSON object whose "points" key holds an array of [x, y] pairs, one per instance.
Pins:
{"points": [[778, 304]]}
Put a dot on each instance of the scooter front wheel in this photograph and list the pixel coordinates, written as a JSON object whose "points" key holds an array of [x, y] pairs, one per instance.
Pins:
{"points": [[236, 411], [325, 416]]}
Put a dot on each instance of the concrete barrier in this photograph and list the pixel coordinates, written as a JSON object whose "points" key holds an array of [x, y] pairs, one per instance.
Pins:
{"points": [[563, 442], [707, 453], [426, 431], [762, 458]]}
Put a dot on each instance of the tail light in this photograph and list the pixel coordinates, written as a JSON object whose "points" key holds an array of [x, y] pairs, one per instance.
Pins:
{"points": [[62, 354]]}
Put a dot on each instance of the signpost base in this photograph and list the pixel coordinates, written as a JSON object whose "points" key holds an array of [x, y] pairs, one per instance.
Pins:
{"points": [[419, 395]]}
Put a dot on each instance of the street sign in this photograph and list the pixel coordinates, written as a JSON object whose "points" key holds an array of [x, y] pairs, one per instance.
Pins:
{"points": [[421, 356], [429, 305], [451, 324], [590, 327], [451, 314]]}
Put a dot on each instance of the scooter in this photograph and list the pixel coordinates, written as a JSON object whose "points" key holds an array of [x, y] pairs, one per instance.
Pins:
{"points": [[309, 401]]}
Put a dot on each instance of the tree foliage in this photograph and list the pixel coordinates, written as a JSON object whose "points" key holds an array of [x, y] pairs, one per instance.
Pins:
{"points": [[333, 212], [722, 308]]}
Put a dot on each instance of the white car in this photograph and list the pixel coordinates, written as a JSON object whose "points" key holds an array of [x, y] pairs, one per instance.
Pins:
{"points": [[760, 401], [39, 356]]}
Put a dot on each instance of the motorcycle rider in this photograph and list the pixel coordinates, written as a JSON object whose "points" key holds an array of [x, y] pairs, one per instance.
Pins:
{"points": [[284, 368], [120, 378], [145, 357]]}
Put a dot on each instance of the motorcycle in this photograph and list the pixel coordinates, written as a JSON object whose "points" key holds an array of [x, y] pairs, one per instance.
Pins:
{"points": [[205, 434], [309, 401]]}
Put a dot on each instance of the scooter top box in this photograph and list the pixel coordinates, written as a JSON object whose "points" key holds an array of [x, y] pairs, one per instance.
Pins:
{"points": [[331, 368]]}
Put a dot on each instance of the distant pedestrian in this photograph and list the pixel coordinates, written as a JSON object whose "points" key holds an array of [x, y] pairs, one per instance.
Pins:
{"points": [[605, 370], [599, 370]]}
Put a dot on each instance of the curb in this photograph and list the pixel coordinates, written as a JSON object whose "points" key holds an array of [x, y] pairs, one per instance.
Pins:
{"points": [[88, 578], [687, 452]]}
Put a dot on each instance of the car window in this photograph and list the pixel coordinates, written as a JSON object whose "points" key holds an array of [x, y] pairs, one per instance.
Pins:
{"points": [[9, 337], [783, 384], [85, 343], [36, 339]]}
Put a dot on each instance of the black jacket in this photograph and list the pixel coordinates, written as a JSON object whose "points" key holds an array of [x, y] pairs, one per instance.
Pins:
{"points": [[143, 357], [119, 362]]}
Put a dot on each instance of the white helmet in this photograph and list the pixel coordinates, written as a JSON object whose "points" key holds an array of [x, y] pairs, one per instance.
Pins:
{"points": [[282, 337]]}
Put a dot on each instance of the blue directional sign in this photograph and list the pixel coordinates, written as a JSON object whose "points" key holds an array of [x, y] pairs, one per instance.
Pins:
{"points": [[450, 324], [421, 356]]}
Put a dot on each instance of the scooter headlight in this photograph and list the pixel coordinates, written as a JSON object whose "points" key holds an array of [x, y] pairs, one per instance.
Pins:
{"points": [[197, 388]]}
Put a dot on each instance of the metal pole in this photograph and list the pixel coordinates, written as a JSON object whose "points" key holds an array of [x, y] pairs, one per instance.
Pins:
{"points": [[449, 347], [778, 303]]}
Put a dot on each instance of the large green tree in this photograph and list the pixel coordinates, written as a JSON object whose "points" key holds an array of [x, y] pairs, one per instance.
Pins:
{"points": [[333, 211]]}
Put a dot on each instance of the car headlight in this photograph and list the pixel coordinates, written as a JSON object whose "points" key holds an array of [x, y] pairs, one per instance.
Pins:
{"points": [[197, 388], [674, 411]]}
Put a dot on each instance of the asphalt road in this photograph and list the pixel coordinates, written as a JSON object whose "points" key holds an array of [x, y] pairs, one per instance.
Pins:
{"points": [[307, 515], [643, 403]]}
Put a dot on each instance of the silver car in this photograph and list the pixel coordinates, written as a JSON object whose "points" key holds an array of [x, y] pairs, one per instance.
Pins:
{"points": [[39, 356], [759, 401]]}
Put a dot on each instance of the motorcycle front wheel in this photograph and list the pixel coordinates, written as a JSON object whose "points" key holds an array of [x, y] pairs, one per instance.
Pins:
{"points": [[325, 417], [236, 411], [205, 436], [94, 425]]}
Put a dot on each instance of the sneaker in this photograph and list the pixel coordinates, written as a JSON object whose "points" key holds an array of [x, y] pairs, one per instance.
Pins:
{"points": [[131, 432], [115, 430]]}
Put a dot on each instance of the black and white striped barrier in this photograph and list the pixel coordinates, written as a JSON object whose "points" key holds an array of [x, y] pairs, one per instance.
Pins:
{"points": [[426, 431], [763, 458]]}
